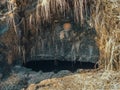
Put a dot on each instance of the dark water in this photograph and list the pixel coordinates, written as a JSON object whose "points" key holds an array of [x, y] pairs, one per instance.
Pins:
{"points": [[56, 66]]}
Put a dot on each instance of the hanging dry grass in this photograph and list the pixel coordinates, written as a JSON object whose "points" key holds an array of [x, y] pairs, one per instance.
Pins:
{"points": [[78, 10], [108, 34], [46, 8]]}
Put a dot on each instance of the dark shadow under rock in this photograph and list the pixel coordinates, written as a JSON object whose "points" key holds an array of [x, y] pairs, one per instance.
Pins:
{"points": [[56, 66]]}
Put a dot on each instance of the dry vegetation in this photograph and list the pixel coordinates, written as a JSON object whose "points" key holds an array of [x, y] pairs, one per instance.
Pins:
{"points": [[107, 22], [108, 80]]}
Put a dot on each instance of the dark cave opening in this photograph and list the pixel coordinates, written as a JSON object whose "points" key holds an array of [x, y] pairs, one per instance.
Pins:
{"points": [[58, 65]]}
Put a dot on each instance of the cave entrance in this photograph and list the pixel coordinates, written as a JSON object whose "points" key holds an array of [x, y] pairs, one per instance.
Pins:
{"points": [[58, 65], [62, 43]]}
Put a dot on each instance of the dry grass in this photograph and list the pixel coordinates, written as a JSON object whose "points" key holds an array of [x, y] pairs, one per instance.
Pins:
{"points": [[107, 80], [107, 29]]}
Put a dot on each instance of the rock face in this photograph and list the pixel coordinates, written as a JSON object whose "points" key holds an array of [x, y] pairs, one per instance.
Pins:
{"points": [[20, 77], [5, 68], [42, 40], [3, 28], [83, 47]]}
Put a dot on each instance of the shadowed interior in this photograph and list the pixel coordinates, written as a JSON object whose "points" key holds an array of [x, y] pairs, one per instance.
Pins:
{"points": [[56, 66]]}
